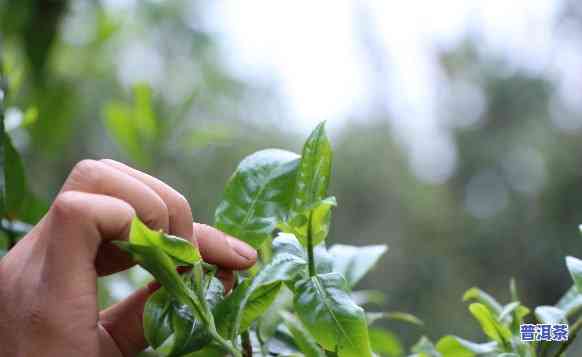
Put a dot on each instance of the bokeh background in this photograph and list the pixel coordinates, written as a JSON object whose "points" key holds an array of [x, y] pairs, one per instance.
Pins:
{"points": [[456, 125]]}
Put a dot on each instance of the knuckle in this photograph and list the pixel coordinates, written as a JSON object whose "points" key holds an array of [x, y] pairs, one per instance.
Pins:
{"points": [[68, 204], [157, 217], [182, 203], [37, 316], [86, 171]]}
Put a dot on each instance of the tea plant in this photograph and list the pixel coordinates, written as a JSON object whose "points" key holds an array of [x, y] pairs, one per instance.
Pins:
{"points": [[298, 300], [501, 324]]}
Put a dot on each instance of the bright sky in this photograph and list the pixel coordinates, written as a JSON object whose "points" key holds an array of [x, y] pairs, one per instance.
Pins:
{"points": [[312, 51]]}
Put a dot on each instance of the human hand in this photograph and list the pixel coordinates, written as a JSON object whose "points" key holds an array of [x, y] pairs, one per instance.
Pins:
{"points": [[48, 281]]}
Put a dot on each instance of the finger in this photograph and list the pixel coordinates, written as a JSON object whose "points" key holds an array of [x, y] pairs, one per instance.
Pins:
{"points": [[78, 223], [96, 177], [227, 279], [223, 250], [123, 322], [180, 214]]}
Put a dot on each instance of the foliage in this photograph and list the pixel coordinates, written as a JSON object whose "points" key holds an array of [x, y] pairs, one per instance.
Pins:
{"points": [[270, 189]]}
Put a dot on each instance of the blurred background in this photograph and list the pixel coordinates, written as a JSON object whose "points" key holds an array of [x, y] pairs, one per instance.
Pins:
{"points": [[456, 125]]}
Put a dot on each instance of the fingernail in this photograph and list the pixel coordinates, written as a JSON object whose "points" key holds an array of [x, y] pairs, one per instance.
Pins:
{"points": [[242, 249]]}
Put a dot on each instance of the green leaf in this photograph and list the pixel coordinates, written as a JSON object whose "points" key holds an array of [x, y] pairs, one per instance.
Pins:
{"points": [[158, 255], [16, 200], [257, 195], [286, 243], [143, 115], [385, 343], [365, 297], [133, 126], [271, 319], [507, 311], [15, 179], [323, 304], [550, 315], [575, 268], [304, 340], [425, 348], [4, 244], [180, 249], [355, 262], [162, 267], [453, 346], [316, 218], [489, 324], [120, 125], [156, 318], [253, 297], [394, 315], [190, 334], [483, 298], [570, 302], [314, 170]]}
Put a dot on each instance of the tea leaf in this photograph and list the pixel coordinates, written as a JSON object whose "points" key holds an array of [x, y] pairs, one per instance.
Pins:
{"points": [[489, 324], [190, 334], [314, 170], [302, 337], [355, 262], [250, 299], [156, 318], [323, 304], [453, 346], [550, 315], [575, 268], [385, 343], [257, 195], [317, 218], [570, 302], [483, 298], [180, 249]]}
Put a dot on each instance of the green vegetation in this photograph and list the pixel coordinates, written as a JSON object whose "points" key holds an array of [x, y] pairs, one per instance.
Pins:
{"points": [[510, 207]]}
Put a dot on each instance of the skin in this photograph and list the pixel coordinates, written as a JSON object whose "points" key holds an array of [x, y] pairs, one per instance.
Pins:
{"points": [[48, 281]]}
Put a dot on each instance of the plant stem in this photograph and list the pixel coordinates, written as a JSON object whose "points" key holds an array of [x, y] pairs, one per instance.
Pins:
{"points": [[572, 335], [226, 345], [310, 255], [247, 345]]}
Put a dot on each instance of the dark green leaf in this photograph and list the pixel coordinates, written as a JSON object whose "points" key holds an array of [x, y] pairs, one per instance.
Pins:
{"points": [[257, 195], [355, 262], [254, 296], [302, 337], [323, 304], [156, 318]]}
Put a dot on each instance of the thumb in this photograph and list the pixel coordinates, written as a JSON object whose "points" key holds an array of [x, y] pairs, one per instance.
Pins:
{"points": [[123, 324]]}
